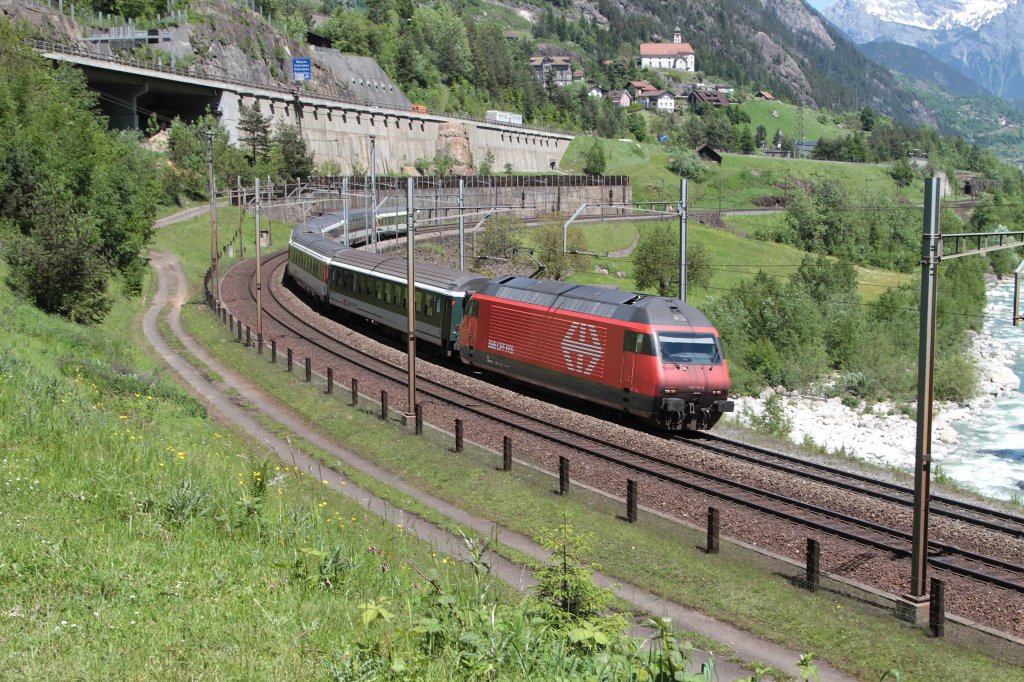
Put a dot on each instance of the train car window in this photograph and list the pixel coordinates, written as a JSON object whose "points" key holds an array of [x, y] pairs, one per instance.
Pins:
{"points": [[474, 306], [637, 342], [689, 348], [437, 305]]}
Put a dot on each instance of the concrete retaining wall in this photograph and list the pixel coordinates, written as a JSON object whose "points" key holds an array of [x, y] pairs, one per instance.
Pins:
{"points": [[340, 132]]}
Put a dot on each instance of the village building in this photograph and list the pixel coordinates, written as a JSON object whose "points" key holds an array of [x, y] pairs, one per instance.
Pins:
{"points": [[621, 97], [715, 99], [553, 71], [675, 55], [659, 100]]}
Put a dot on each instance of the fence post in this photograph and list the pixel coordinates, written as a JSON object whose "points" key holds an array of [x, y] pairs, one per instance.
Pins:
{"points": [[248, 336], [813, 564], [458, 435], [506, 453], [563, 475], [713, 527], [937, 609], [631, 500], [238, 328], [330, 380], [309, 370], [273, 351], [259, 344], [384, 405], [418, 410], [289, 359]]}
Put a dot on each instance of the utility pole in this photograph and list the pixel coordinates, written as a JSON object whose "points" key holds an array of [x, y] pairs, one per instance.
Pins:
{"points": [[683, 197], [410, 307], [259, 279], [213, 208]]}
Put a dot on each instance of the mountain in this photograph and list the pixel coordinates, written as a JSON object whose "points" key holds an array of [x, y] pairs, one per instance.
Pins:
{"points": [[983, 39], [917, 64]]}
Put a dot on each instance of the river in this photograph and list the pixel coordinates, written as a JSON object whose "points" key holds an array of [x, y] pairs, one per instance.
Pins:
{"points": [[989, 453]]}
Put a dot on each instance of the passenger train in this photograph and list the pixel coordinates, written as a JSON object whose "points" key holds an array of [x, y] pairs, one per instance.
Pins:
{"points": [[656, 358]]}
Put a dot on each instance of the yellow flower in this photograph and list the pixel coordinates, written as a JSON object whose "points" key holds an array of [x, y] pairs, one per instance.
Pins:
{"points": [[324, 481]]}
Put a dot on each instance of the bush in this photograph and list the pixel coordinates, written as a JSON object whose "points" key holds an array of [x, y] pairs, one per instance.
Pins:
{"points": [[594, 161]]}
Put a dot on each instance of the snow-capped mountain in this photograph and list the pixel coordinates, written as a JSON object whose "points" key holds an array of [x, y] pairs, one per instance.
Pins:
{"points": [[983, 39]]}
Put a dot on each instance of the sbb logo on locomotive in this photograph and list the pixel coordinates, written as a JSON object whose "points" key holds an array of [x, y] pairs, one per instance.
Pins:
{"points": [[582, 348]]}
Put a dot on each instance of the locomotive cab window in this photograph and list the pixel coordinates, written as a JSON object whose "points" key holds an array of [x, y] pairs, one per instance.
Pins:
{"points": [[679, 347], [636, 342]]}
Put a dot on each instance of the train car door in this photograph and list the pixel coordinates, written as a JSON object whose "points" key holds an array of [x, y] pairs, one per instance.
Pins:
{"points": [[630, 346], [468, 330]]}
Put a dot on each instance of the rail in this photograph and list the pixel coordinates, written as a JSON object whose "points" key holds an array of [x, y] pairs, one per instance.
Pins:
{"points": [[193, 72]]}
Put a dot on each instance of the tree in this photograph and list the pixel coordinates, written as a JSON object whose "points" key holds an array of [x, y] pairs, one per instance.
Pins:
{"points": [[901, 172], [593, 158], [685, 162], [254, 131], [868, 118], [637, 126], [565, 584], [747, 144], [500, 237], [76, 201], [548, 238], [656, 262], [294, 160]]}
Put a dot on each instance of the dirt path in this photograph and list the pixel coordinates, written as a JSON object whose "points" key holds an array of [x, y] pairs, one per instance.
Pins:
{"points": [[171, 291]]}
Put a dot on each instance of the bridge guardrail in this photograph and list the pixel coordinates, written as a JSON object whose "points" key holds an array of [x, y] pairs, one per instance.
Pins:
{"points": [[64, 48]]}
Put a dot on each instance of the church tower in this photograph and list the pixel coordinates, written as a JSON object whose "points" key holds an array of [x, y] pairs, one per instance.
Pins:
{"points": [[677, 37]]}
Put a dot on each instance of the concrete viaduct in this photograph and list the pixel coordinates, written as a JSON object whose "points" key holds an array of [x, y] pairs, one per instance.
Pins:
{"points": [[335, 130]]}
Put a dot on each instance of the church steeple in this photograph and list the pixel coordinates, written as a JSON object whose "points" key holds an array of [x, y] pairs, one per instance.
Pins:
{"points": [[677, 37]]}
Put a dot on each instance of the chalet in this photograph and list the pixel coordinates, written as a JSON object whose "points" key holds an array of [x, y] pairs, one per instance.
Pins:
{"points": [[675, 55], [621, 97], [765, 95], [660, 100], [715, 99], [595, 91], [578, 76], [707, 153], [555, 71]]}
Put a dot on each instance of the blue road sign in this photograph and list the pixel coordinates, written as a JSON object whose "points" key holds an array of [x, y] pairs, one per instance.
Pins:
{"points": [[302, 69]]}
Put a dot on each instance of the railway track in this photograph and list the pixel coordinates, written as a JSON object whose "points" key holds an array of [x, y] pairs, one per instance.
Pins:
{"points": [[943, 556]]}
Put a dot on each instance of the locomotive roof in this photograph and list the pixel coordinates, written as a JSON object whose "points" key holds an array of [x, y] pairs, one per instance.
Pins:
{"points": [[600, 301], [394, 268]]}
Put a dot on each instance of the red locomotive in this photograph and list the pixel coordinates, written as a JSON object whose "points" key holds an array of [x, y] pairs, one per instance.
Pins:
{"points": [[653, 357]]}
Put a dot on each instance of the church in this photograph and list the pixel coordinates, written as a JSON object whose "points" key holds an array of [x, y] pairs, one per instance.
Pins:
{"points": [[675, 55]]}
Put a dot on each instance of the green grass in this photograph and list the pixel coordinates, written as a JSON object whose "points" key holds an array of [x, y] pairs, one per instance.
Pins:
{"points": [[739, 181], [657, 555], [762, 113], [735, 258], [133, 545]]}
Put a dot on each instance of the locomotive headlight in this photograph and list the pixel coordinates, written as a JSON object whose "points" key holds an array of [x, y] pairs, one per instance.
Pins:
{"points": [[669, 391]]}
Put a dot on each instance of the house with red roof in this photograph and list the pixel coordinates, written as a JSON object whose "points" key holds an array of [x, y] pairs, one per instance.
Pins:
{"points": [[675, 55]]}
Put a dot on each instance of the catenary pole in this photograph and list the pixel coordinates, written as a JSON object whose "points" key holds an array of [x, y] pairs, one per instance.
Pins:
{"points": [[683, 197], [213, 207], [259, 280], [462, 223], [410, 295], [930, 257], [344, 206], [373, 191]]}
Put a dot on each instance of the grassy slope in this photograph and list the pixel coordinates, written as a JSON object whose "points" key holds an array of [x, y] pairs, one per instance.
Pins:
{"points": [[762, 113], [101, 580]]}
